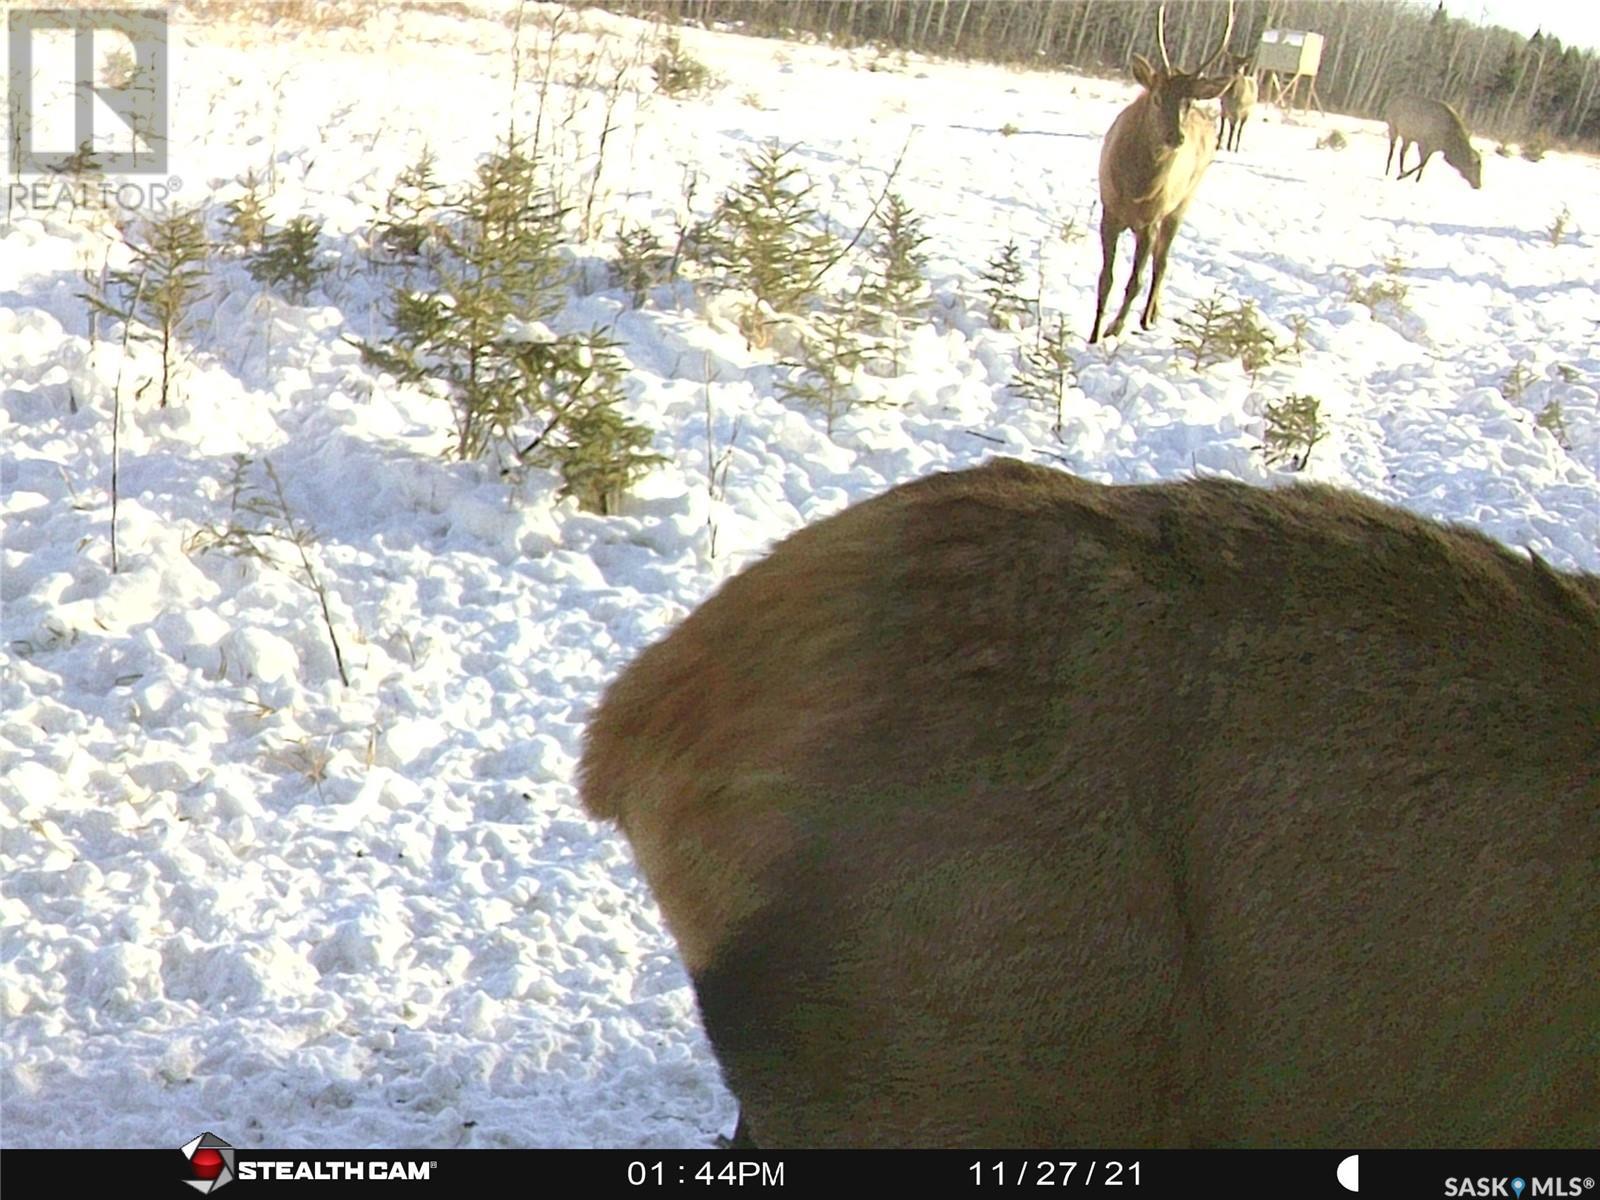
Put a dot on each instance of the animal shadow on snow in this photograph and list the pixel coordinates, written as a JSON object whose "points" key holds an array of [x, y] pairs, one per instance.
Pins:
{"points": [[1529, 291], [1055, 133], [1233, 163], [1524, 237]]}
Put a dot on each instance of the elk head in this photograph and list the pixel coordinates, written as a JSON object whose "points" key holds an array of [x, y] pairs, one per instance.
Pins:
{"points": [[1172, 91], [1171, 94]]}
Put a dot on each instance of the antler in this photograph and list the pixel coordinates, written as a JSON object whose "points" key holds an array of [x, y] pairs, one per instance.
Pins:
{"points": [[1161, 37], [1222, 47]]}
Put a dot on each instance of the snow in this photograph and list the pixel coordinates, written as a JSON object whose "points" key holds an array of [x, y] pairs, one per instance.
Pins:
{"points": [[239, 896]]}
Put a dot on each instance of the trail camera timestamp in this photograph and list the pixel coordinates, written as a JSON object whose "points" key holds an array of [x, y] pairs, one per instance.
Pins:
{"points": [[1009, 1172], [732, 1171]]}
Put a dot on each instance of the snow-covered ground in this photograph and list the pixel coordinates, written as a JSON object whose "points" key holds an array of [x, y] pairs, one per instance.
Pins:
{"points": [[239, 896]]}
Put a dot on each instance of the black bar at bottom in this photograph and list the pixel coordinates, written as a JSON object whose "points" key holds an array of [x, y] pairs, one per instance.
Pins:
{"points": [[1511, 1174]]}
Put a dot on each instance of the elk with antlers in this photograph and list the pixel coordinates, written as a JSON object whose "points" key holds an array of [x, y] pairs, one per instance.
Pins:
{"points": [[1150, 165]]}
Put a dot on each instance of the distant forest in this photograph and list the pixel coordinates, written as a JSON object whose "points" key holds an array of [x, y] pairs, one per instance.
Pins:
{"points": [[1506, 86]]}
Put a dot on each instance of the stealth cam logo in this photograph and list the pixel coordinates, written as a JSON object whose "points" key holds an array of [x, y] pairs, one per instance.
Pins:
{"points": [[211, 1159]]}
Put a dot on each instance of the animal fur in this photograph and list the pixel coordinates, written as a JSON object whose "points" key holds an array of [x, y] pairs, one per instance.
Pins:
{"points": [[1237, 102], [1007, 809], [1432, 126]]}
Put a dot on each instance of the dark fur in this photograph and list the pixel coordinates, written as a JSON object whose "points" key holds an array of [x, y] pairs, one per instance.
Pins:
{"points": [[1008, 809]]}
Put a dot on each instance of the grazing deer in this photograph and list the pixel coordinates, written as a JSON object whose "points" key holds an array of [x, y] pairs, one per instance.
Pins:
{"points": [[1150, 165], [1237, 101], [1010, 809], [1432, 125]]}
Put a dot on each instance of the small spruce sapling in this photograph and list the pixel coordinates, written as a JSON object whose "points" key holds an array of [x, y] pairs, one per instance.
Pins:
{"points": [[156, 296], [642, 262], [291, 258], [896, 290], [1203, 332], [764, 236], [1214, 332], [1516, 382], [1558, 226], [599, 452], [1047, 372], [824, 376], [1551, 420], [1251, 341], [1390, 287], [1293, 427], [500, 264], [1299, 325], [245, 216], [676, 71], [1002, 287], [411, 208]]}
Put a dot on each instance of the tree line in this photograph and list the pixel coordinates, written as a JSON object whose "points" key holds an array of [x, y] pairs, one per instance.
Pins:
{"points": [[1504, 84]]}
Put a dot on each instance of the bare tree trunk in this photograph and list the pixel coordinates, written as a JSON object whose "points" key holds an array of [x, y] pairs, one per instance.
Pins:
{"points": [[1473, 86], [1047, 30], [1531, 121], [961, 22], [1585, 97]]}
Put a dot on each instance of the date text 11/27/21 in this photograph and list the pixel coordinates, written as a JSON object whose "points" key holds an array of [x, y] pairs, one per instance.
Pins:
{"points": [[1048, 1172]]}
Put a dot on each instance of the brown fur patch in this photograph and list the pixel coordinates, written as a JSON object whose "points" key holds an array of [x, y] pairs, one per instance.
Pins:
{"points": [[1010, 809]]}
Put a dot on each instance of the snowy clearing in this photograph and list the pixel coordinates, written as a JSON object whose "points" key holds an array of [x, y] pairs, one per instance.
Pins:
{"points": [[242, 897]]}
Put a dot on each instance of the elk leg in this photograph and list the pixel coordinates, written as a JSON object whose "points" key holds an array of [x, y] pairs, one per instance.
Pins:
{"points": [[1237, 135], [1406, 144], [1164, 234], [1422, 158], [1141, 255], [1109, 232]]}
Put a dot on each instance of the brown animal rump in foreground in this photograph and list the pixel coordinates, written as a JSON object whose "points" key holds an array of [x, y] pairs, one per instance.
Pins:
{"points": [[1150, 165], [1237, 101], [1009, 809], [1433, 126]]}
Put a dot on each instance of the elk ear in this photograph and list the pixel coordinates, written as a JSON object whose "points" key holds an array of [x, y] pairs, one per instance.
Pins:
{"points": [[1143, 72], [1208, 89]]}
